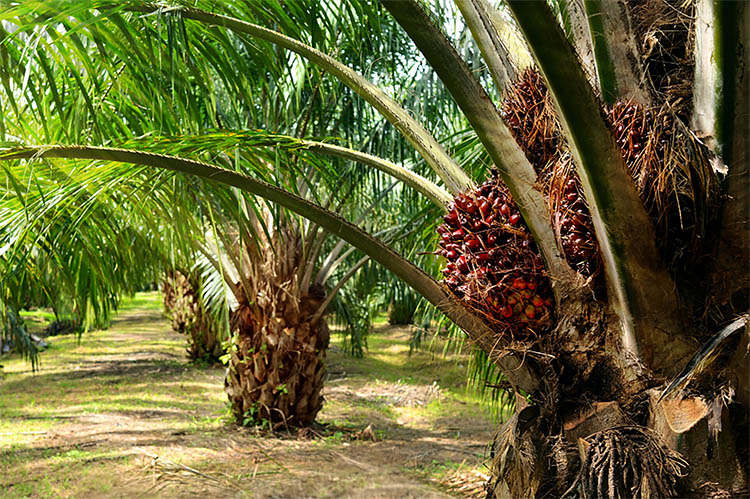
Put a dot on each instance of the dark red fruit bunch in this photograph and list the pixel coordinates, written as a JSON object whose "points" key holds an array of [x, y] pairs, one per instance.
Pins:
{"points": [[493, 264], [572, 219], [674, 178]]}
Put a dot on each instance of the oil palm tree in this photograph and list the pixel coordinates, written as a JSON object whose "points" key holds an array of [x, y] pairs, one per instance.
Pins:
{"points": [[613, 382], [287, 275]]}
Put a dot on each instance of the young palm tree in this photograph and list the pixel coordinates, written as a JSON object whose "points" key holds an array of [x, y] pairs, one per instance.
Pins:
{"points": [[609, 390]]}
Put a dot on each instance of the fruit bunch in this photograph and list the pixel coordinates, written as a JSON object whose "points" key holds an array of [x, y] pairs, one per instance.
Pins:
{"points": [[673, 174], [529, 112], [572, 220], [631, 126], [493, 264]]}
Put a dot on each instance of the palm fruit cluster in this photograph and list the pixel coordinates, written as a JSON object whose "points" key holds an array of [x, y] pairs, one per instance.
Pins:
{"points": [[529, 112], [572, 220], [671, 169], [673, 175], [631, 126], [493, 263]]}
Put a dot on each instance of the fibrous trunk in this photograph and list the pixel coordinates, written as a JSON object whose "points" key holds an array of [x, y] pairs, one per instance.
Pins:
{"points": [[183, 305], [596, 426], [277, 356]]}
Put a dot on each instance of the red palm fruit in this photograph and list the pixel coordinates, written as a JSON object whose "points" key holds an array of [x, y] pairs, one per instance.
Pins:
{"points": [[519, 283], [458, 234], [461, 201], [537, 301], [490, 219], [461, 264], [530, 311], [451, 266], [477, 224], [472, 242], [512, 300], [491, 238], [506, 311], [451, 218], [505, 209], [446, 237], [446, 272], [485, 208], [514, 219], [451, 255], [482, 257], [531, 284], [471, 207], [526, 293]]}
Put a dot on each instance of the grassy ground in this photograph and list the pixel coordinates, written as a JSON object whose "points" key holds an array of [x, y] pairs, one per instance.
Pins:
{"points": [[122, 413]]}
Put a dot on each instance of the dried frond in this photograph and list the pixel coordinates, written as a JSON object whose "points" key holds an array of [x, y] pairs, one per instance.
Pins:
{"points": [[515, 464]]}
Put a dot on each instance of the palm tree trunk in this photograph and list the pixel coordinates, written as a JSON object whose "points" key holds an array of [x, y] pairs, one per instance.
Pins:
{"points": [[596, 429], [182, 303], [277, 359]]}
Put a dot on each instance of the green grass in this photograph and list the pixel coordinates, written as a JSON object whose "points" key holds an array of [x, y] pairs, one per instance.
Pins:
{"points": [[72, 428]]}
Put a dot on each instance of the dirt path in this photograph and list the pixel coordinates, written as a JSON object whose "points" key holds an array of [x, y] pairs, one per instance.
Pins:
{"points": [[123, 414]]}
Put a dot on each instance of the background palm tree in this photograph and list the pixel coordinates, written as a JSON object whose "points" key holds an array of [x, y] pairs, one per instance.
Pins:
{"points": [[588, 384]]}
